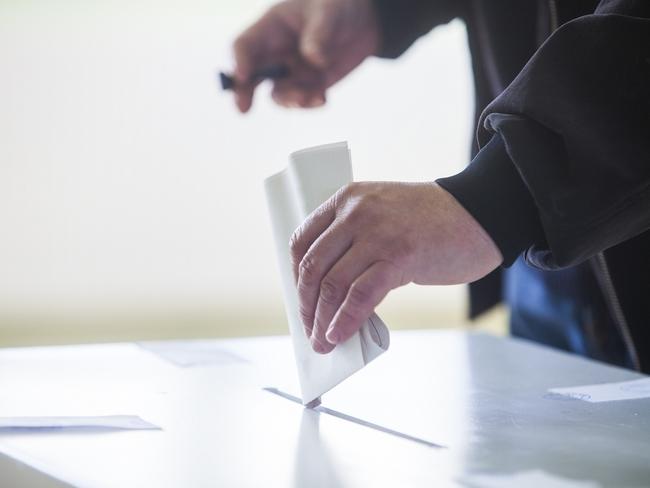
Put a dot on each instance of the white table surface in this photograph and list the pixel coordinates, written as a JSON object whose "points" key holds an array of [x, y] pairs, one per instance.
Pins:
{"points": [[483, 398]]}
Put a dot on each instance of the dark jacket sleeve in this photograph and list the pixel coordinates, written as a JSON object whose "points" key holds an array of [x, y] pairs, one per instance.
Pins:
{"points": [[491, 189], [402, 22], [576, 125]]}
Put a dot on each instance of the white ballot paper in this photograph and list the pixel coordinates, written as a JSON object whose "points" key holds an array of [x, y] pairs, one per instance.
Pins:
{"points": [[313, 175], [123, 422], [189, 354], [535, 478], [607, 392]]}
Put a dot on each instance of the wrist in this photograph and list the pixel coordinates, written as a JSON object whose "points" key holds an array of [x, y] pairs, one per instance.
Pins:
{"points": [[373, 26], [478, 252], [494, 193]]}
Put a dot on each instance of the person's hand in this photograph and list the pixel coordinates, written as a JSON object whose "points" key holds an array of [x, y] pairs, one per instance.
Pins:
{"points": [[320, 41], [370, 238]]}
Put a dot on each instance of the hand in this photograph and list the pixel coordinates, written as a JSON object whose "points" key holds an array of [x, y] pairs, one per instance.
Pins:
{"points": [[320, 41], [370, 238]]}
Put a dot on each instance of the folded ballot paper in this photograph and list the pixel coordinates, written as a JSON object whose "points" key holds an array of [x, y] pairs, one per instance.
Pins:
{"points": [[313, 175]]}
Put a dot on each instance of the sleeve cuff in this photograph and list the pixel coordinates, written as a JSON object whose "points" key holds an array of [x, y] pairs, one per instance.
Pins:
{"points": [[493, 191]]}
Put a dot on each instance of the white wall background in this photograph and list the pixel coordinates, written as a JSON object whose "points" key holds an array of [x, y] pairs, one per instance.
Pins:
{"points": [[129, 182]]}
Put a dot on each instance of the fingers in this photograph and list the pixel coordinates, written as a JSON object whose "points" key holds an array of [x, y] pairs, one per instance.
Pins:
{"points": [[332, 290], [248, 53], [313, 226], [263, 42], [316, 263], [245, 51], [280, 37], [271, 40], [304, 88], [365, 293], [244, 96], [318, 34], [289, 95]]}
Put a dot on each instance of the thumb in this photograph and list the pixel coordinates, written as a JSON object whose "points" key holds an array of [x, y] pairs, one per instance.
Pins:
{"points": [[317, 36]]}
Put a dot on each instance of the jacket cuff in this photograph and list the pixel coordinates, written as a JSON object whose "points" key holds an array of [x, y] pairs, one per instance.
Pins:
{"points": [[493, 192]]}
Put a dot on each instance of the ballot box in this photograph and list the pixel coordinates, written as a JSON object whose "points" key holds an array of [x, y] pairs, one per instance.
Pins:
{"points": [[440, 408]]}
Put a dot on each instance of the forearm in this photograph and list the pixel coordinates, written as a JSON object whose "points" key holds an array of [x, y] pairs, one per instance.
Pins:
{"points": [[576, 125], [493, 192], [402, 22]]}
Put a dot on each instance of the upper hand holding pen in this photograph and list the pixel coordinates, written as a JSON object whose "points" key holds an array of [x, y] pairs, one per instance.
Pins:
{"points": [[320, 41], [370, 238]]}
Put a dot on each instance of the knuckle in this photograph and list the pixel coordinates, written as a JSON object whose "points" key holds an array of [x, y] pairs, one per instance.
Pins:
{"points": [[343, 194], [241, 46], [399, 263], [330, 291], [366, 209], [276, 95], [294, 241], [397, 250], [370, 204], [296, 246], [308, 270], [389, 275], [404, 254], [348, 317], [347, 189], [239, 42], [276, 9], [359, 214], [361, 296], [306, 315]]}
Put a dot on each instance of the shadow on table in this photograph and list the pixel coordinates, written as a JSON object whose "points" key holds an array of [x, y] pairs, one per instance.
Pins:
{"points": [[313, 466]]}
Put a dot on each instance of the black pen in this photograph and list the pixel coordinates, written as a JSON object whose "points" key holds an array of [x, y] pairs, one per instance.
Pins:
{"points": [[273, 72]]}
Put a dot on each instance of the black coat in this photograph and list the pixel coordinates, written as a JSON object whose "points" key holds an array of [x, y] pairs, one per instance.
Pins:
{"points": [[563, 94]]}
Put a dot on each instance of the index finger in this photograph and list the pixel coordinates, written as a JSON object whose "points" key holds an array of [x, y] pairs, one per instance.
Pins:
{"points": [[263, 43], [305, 235], [267, 41]]}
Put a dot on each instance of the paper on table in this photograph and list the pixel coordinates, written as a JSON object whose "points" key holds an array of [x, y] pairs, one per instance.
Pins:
{"points": [[535, 478], [192, 353], [313, 175], [124, 422], [607, 392]]}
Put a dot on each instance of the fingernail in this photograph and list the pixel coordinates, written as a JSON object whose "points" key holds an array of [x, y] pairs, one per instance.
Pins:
{"points": [[332, 336]]}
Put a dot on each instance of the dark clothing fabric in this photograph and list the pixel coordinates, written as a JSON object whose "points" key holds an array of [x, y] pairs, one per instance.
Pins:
{"points": [[571, 154], [576, 123], [490, 172], [559, 309]]}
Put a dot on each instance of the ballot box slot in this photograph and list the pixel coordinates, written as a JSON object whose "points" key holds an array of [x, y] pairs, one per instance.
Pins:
{"points": [[358, 421]]}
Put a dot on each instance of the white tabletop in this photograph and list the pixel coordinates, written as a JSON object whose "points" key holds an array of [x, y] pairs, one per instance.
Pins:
{"points": [[483, 398]]}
